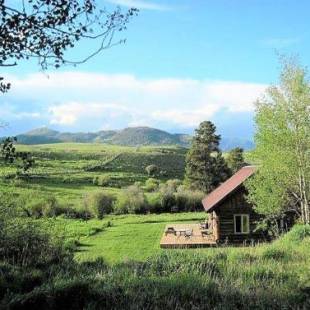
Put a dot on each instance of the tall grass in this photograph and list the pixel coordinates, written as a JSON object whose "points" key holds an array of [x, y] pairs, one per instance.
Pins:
{"points": [[263, 277]]}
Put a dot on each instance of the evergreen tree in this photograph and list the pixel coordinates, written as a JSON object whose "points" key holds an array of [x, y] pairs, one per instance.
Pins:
{"points": [[205, 166], [235, 159]]}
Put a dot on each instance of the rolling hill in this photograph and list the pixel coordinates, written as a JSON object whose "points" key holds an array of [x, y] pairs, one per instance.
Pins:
{"points": [[132, 136]]}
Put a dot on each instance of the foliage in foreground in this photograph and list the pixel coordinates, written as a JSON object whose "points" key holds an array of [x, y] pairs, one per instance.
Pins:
{"points": [[272, 276]]}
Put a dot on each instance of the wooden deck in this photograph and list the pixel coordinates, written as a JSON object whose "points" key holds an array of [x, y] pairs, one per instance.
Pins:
{"points": [[180, 241]]}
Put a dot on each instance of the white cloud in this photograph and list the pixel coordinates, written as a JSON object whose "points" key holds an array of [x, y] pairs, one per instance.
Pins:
{"points": [[141, 4], [91, 101], [71, 112]]}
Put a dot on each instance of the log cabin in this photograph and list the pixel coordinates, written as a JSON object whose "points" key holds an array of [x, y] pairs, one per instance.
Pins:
{"points": [[230, 217]]}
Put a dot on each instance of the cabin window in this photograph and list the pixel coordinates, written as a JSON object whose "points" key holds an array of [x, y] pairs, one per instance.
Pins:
{"points": [[241, 223]]}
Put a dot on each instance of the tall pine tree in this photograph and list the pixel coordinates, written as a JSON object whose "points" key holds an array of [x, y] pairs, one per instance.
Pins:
{"points": [[205, 165]]}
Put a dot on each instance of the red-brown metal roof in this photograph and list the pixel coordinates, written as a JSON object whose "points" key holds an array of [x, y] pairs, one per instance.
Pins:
{"points": [[227, 187]]}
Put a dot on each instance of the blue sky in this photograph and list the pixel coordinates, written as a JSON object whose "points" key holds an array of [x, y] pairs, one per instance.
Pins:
{"points": [[184, 61]]}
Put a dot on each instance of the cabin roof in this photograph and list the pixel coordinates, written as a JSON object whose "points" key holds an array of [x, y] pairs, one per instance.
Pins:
{"points": [[216, 196]]}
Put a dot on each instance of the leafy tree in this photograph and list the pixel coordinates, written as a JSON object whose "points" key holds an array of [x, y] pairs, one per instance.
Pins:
{"points": [[46, 29], [9, 154], [205, 165], [235, 159], [283, 146]]}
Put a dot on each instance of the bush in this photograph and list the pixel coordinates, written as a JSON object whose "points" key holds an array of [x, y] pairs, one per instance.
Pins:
{"points": [[131, 200], [67, 179], [24, 242], [167, 192], [99, 203], [173, 197], [138, 183], [173, 184], [40, 207], [154, 202], [102, 180], [152, 170], [50, 207], [95, 180], [79, 212], [188, 200], [151, 185]]}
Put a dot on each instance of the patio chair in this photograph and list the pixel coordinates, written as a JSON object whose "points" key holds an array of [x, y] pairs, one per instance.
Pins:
{"points": [[205, 232], [170, 230], [204, 225], [188, 233]]}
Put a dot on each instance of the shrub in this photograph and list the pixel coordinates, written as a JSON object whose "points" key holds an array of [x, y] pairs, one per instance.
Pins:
{"points": [[151, 185], [38, 207], [24, 242], [152, 170], [95, 180], [50, 207], [131, 200], [154, 202], [167, 192], [67, 179], [99, 203], [102, 180], [138, 184], [173, 184], [34, 208], [188, 200], [79, 212], [168, 202]]}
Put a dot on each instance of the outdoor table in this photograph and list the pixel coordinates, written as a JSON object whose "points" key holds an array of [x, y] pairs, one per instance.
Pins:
{"points": [[183, 231]]}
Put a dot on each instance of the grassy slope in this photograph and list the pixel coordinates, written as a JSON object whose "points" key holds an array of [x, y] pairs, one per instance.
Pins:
{"points": [[67, 169]]}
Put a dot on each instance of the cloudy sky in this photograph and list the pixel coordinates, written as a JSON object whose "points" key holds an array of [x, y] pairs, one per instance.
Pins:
{"points": [[184, 62]]}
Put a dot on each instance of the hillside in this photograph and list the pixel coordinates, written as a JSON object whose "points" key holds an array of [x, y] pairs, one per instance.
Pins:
{"points": [[132, 136], [68, 169]]}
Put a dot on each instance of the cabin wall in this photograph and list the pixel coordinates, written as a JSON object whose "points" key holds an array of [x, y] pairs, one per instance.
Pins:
{"points": [[236, 204]]}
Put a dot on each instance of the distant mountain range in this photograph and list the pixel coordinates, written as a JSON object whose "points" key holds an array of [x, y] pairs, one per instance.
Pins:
{"points": [[132, 136]]}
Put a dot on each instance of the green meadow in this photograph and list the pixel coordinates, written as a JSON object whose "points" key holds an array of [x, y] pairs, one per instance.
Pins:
{"points": [[118, 265], [67, 170], [119, 238]]}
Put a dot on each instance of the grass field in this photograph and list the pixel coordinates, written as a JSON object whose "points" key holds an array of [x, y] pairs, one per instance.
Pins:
{"points": [[118, 238], [122, 267], [67, 169]]}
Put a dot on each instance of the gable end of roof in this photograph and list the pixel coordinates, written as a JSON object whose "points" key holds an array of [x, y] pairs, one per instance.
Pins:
{"points": [[229, 186]]}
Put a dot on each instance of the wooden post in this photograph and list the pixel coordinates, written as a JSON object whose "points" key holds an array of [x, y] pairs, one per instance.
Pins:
{"points": [[216, 226]]}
